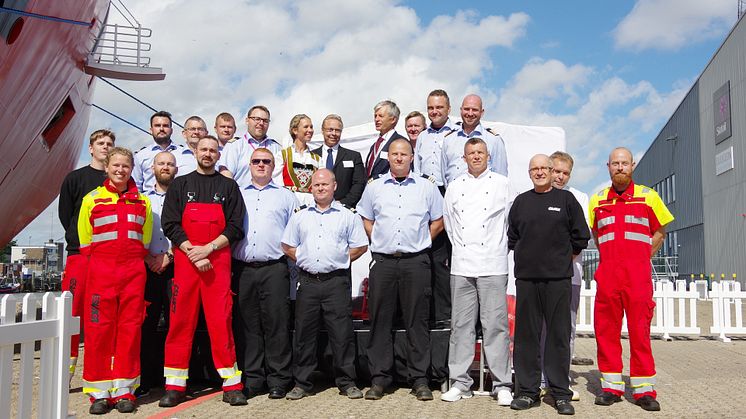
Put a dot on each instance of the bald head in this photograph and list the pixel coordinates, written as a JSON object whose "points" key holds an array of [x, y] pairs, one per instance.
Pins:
{"points": [[621, 164], [539, 170], [471, 112], [323, 185], [621, 152]]}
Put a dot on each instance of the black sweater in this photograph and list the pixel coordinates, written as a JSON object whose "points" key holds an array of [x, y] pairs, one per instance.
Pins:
{"points": [[76, 185], [545, 230], [196, 187]]}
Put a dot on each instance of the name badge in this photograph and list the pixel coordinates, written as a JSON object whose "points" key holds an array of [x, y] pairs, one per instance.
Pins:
{"points": [[347, 163], [384, 155]]}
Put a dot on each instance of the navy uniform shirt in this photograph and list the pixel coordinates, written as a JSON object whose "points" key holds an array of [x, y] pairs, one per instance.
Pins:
{"points": [[268, 211], [428, 150], [142, 172], [402, 212], [323, 239]]}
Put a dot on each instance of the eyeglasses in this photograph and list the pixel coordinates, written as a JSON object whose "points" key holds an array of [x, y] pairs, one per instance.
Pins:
{"points": [[332, 130], [256, 162], [195, 129], [539, 169], [257, 119]]}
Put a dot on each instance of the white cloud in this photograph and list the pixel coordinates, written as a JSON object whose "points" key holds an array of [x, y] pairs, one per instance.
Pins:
{"points": [[672, 24]]}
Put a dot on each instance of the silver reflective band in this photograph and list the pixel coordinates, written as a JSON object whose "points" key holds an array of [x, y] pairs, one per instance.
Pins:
{"points": [[606, 221], [132, 218], [111, 235], [134, 235], [109, 219], [606, 237], [636, 220], [638, 237]]}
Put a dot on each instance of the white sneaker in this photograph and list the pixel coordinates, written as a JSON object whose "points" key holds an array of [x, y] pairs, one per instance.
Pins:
{"points": [[504, 397], [575, 395], [455, 394]]}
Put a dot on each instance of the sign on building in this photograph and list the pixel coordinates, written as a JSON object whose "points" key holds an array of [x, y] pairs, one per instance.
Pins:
{"points": [[721, 110]]}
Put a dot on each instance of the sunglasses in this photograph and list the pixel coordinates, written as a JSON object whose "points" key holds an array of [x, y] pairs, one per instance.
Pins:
{"points": [[256, 162]]}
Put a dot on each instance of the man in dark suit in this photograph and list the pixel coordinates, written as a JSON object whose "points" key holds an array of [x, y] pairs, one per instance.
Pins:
{"points": [[386, 115], [346, 164]]}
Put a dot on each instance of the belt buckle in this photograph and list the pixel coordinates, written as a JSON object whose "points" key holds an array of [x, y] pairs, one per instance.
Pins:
{"points": [[397, 254]]}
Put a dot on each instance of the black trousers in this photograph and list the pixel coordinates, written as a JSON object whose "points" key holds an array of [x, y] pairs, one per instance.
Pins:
{"points": [[331, 300], [440, 303], [539, 300], [152, 344], [406, 281], [262, 324]]}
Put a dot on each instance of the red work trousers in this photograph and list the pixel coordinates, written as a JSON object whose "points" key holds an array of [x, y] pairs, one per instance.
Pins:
{"points": [[114, 312], [625, 286], [73, 280], [211, 289]]}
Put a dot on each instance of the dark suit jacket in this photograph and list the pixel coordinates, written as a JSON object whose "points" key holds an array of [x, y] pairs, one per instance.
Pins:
{"points": [[380, 165], [350, 180]]}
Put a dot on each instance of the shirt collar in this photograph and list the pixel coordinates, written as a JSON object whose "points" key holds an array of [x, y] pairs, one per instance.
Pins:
{"points": [[335, 206], [171, 146], [481, 175], [271, 184], [389, 178], [478, 130], [446, 126], [325, 148], [155, 192], [626, 195]]}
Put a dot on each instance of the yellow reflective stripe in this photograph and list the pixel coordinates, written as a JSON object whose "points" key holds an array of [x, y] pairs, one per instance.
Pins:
{"points": [[232, 381], [175, 372], [125, 382], [176, 381], [643, 385], [629, 235]]}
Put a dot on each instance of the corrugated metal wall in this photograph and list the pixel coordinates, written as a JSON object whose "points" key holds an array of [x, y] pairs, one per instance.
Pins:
{"points": [[676, 151], [723, 195]]}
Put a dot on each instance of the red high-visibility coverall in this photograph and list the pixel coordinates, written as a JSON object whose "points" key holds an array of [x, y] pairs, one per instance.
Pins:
{"points": [[73, 280], [202, 223], [624, 225], [114, 231]]}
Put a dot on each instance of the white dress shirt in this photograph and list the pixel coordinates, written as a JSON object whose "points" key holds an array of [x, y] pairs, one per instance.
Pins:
{"points": [[475, 213]]}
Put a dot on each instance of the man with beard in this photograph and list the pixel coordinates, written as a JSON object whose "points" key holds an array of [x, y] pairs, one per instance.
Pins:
{"points": [[260, 278], [225, 128], [452, 163], [75, 186], [546, 228], [159, 262], [202, 215], [234, 161], [402, 212], [160, 129], [346, 164], [629, 224], [385, 116]]}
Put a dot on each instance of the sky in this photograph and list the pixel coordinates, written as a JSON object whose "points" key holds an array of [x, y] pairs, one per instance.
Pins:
{"points": [[610, 73]]}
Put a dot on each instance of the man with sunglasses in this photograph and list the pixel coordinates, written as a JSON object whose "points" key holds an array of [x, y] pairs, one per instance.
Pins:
{"points": [[261, 281], [234, 161]]}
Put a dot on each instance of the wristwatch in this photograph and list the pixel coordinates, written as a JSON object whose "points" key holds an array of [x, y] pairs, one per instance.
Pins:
{"points": [[214, 246]]}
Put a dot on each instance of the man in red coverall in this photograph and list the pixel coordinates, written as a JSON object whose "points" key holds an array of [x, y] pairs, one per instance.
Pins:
{"points": [[114, 228], [202, 215], [628, 223]]}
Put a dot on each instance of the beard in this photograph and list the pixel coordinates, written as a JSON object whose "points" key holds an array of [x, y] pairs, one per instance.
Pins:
{"points": [[621, 179], [164, 179], [206, 166]]}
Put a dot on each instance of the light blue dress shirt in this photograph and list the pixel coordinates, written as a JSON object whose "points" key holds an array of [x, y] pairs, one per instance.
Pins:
{"points": [[428, 150], [402, 212], [452, 157], [268, 211], [142, 172], [323, 239], [236, 157], [159, 243]]}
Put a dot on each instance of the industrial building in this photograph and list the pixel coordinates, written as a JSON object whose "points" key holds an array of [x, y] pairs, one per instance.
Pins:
{"points": [[697, 163]]}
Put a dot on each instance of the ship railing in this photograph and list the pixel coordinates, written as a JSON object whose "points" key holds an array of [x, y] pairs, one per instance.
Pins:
{"points": [[123, 45], [43, 317]]}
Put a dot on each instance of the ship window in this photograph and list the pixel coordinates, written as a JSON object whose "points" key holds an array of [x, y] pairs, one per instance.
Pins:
{"points": [[57, 125], [11, 24]]}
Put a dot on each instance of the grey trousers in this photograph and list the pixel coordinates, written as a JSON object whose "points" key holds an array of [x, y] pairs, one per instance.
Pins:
{"points": [[484, 298], [574, 304]]}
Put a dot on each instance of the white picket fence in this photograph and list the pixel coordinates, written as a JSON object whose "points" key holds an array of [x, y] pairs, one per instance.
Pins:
{"points": [[727, 295], [53, 330]]}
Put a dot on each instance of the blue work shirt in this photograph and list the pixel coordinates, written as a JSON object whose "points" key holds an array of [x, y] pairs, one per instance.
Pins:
{"points": [[236, 157], [323, 239], [142, 172], [159, 243], [452, 156], [402, 212], [267, 213], [428, 150]]}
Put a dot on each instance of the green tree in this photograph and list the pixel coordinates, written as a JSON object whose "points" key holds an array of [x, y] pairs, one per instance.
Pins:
{"points": [[5, 256]]}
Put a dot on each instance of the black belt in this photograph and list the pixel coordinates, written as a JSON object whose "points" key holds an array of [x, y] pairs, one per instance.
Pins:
{"points": [[401, 255], [323, 276], [257, 264]]}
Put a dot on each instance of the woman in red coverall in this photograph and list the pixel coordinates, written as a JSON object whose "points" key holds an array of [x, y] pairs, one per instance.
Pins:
{"points": [[114, 227]]}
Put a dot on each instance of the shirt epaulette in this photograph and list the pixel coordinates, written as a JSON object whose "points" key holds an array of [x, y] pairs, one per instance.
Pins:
{"points": [[491, 131], [232, 140], [428, 177], [141, 149], [354, 211], [451, 131], [301, 208], [375, 177], [645, 190]]}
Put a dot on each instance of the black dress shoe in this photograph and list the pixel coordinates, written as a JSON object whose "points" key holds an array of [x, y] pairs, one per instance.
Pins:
{"points": [[297, 393], [142, 391], [422, 392], [607, 398], [581, 361], [172, 398], [523, 403], [277, 393], [374, 393], [234, 398], [125, 406], [99, 407], [250, 393], [564, 407], [649, 403]]}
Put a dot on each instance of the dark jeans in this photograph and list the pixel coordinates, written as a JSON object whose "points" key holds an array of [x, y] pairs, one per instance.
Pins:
{"points": [[152, 344]]}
